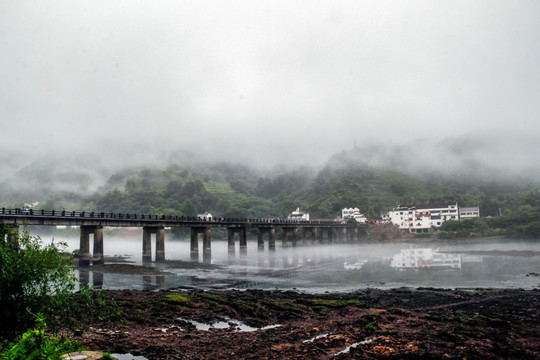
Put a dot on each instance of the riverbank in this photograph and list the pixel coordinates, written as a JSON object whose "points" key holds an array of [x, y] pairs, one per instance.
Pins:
{"points": [[368, 324]]}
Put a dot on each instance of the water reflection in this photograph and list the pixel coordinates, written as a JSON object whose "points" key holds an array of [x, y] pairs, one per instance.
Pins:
{"points": [[425, 258], [324, 267], [90, 278], [151, 282]]}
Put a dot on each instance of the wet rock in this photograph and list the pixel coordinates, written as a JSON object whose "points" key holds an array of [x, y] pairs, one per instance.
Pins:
{"points": [[83, 355]]}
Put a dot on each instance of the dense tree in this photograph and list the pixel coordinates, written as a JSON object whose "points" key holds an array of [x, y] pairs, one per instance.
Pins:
{"points": [[237, 191]]}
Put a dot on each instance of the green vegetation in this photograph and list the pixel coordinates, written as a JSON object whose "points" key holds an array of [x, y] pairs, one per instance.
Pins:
{"points": [[236, 191], [89, 306], [180, 298], [37, 278], [369, 322], [519, 219], [35, 344], [465, 228], [32, 275], [508, 207]]}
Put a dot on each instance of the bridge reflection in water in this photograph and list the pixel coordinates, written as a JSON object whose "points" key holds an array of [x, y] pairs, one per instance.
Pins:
{"points": [[92, 223], [261, 268]]}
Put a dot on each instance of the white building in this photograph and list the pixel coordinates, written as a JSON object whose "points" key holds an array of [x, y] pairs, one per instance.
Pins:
{"points": [[469, 212], [298, 215], [354, 213], [423, 219], [205, 216]]}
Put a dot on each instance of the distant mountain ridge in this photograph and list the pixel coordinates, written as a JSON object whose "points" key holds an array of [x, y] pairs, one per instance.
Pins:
{"points": [[374, 178]]}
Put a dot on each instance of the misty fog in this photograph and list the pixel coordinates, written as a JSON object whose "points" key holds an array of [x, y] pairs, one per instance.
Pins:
{"points": [[318, 268], [133, 82]]}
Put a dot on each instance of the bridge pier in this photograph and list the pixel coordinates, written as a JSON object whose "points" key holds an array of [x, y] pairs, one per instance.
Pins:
{"points": [[207, 244], [271, 238], [351, 234], [241, 231], [194, 247], [285, 236], [306, 231], [317, 235], [85, 258], [147, 243], [97, 257], [331, 236]]}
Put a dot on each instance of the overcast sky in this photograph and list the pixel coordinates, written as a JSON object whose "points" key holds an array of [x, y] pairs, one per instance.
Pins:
{"points": [[297, 80]]}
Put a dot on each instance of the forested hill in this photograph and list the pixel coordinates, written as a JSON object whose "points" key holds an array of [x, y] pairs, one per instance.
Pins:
{"points": [[233, 190], [238, 191]]}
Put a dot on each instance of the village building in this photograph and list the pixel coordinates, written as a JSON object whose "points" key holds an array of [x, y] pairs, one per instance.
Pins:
{"points": [[424, 219], [353, 213], [469, 212], [298, 215]]}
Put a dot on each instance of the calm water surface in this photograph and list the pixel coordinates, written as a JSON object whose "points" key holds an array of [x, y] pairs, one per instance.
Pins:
{"points": [[478, 263]]}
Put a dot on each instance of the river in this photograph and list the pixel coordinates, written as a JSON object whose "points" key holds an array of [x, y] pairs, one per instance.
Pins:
{"points": [[316, 268]]}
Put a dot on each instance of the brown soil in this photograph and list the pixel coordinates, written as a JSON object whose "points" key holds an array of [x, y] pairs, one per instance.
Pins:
{"points": [[389, 324]]}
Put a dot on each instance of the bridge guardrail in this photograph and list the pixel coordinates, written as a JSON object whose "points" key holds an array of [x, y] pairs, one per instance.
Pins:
{"points": [[149, 217]]}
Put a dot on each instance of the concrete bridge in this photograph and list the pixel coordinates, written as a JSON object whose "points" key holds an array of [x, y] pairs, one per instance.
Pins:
{"points": [[94, 222]]}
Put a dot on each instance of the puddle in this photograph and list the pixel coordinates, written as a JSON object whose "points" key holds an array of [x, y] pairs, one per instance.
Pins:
{"points": [[315, 338], [172, 327], [348, 348], [234, 325], [128, 357]]}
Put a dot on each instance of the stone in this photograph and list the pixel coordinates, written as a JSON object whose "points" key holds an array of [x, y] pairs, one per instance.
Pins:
{"points": [[83, 355]]}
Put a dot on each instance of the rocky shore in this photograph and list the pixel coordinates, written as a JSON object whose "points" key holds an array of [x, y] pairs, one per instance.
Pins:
{"points": [[369, 324]]}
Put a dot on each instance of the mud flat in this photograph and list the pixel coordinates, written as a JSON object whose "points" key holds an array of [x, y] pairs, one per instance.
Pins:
{"points": [[369, 324]]}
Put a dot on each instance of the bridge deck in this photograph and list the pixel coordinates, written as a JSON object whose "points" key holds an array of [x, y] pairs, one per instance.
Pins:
{"points": [[85, 218]]}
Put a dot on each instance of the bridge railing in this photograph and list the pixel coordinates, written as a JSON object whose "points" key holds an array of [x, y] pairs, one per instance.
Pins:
{"points": [[148, 217]]}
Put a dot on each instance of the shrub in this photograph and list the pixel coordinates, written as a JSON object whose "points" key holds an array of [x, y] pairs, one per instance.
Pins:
{"points": [[32, 275], [34, 344]]}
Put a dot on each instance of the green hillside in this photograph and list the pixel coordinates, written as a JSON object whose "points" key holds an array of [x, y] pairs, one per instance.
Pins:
{"points": [[238, 191]]}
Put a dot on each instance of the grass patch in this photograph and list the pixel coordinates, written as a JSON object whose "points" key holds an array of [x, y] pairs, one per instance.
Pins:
{"points": [[368, 322], [210, 297], [335, 304], [179, 298], [356, 302]]}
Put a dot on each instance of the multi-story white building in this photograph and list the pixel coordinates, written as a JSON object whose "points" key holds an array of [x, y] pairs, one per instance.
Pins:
{"points": [[424, 219], [354, 213]]}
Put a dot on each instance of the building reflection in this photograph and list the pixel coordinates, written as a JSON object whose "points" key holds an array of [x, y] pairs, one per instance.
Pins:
{"points": [[425, 258]]}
